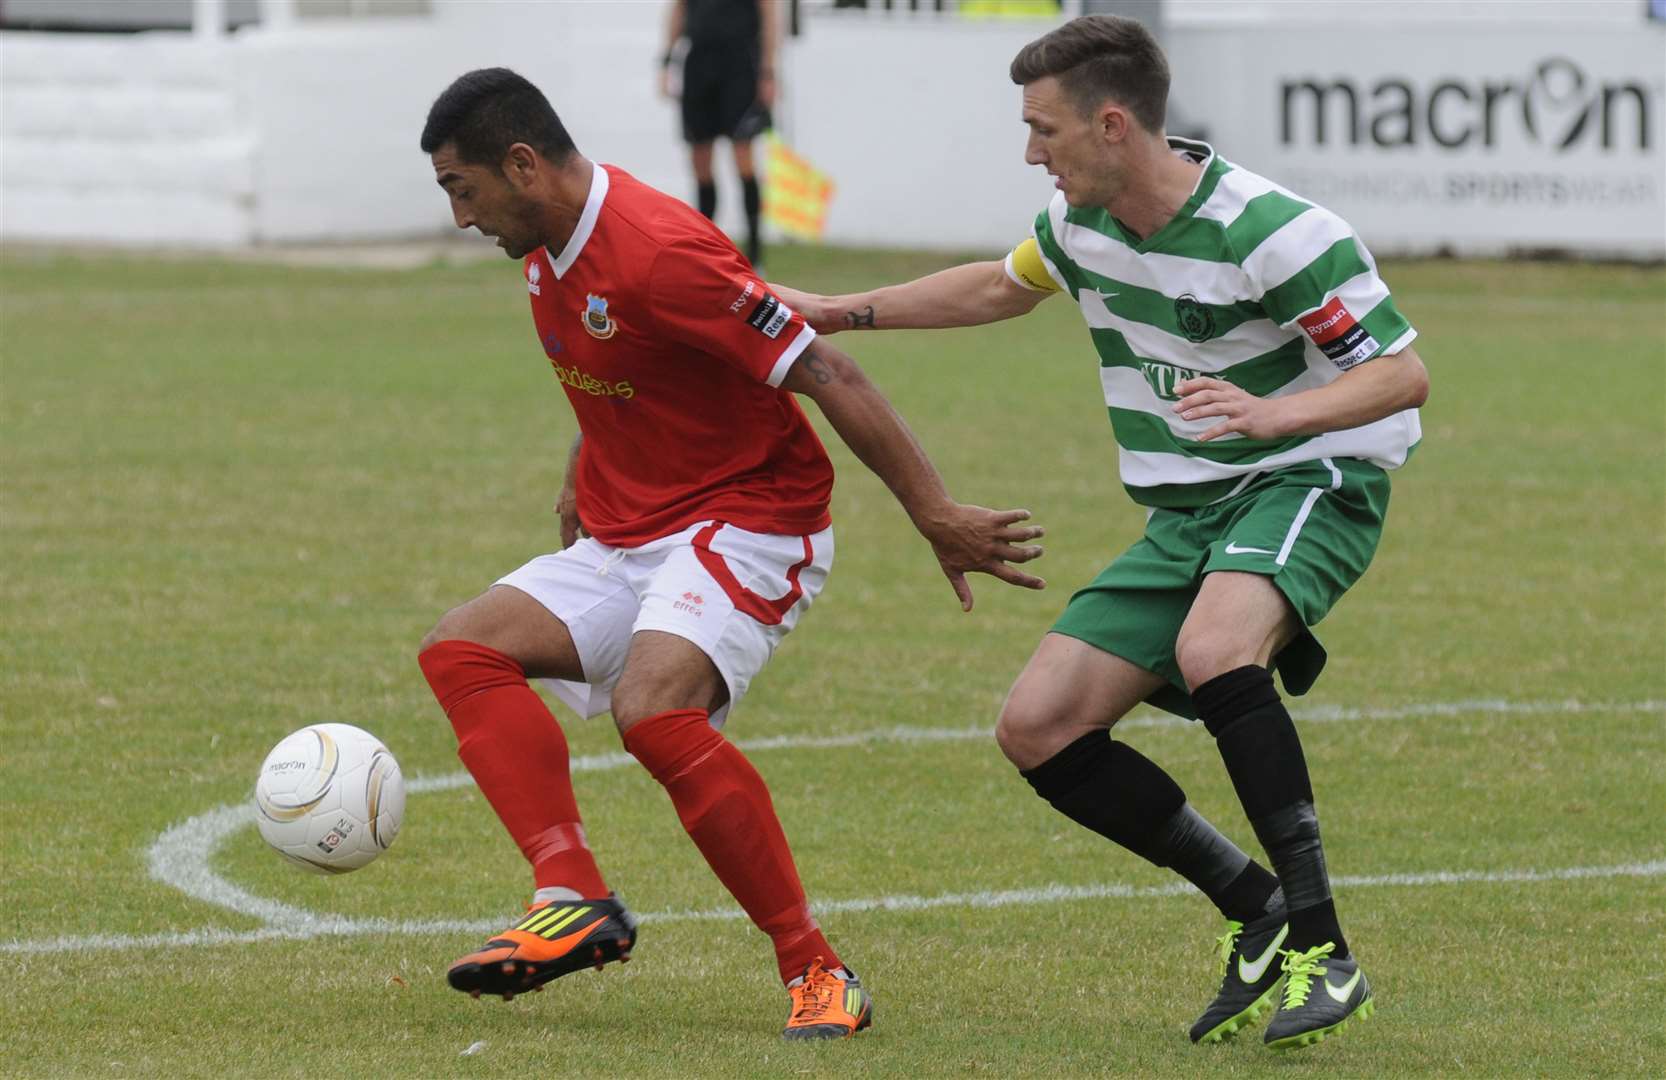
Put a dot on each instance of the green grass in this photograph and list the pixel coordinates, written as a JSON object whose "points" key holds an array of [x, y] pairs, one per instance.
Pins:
{"points": [[233, 497]]}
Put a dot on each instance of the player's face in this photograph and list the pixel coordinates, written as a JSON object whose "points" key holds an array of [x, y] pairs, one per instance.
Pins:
{"points": [[483, 198], [1073, 148]]}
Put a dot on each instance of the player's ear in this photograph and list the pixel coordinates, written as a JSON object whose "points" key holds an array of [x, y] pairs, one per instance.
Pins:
{"points": [[520, 164], [1113, 121]]}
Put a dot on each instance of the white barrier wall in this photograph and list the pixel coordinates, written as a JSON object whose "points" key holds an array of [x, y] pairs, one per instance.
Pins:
{"points": [[304, 134], [1480, 135], [1480, 140], [340, 109], [920, 130], [138, 139]]}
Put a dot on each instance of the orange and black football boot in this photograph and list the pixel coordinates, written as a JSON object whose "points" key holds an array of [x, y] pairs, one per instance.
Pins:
{"points": [[555, 938], [826, 1005]]}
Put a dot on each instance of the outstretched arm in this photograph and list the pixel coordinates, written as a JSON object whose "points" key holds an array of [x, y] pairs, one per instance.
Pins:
{"points": [[965, 538], [966, 295]]}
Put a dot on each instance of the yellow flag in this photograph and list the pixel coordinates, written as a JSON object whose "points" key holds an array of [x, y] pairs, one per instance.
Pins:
{"points": [[796, 193], [1008, 9]]}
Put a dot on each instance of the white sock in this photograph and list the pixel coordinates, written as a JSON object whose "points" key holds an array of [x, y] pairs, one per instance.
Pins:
{"points": [[554, 892], [843, 973]]}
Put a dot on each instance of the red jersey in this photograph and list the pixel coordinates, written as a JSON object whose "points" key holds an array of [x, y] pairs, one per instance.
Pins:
{"points": [[672, 352]]}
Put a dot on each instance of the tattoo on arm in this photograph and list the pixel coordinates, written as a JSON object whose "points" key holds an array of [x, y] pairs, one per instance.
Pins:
{"points": [[818, 369], [862, 320]]}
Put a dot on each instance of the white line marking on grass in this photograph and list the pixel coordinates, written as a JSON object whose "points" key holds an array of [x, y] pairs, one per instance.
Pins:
{"points": [[180, 857], [1046, 894]]}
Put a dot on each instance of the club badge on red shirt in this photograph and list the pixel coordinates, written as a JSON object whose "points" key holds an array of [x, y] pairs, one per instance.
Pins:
{"points": [[597, 322]]}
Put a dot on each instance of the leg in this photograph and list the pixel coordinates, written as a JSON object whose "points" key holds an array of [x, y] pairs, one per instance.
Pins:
{"points": [[752, 198], [703, 73], [700, 157], [689, 657], [1237, 625], [1055, 728], [661, 708], [554, 617], [477, 659], [1239, 622]]}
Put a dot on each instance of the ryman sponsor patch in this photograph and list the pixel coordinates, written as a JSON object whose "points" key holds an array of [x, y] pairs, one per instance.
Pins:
{"points": [[769, 316], [1338, 335]]}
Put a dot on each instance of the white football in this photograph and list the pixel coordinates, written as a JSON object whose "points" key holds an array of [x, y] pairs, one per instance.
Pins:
{"points": [[330, 798]]}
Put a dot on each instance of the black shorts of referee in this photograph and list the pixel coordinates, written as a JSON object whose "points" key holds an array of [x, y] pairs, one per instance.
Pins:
{"points": [[720, 94]]}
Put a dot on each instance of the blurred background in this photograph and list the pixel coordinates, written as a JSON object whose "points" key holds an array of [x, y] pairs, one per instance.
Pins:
{"points": [[1473, 128]]}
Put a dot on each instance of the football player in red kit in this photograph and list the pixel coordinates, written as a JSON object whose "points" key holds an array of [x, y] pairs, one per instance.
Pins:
{"points": [[695, 534]]}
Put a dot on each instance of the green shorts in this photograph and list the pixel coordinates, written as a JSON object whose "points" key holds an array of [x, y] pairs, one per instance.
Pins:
{"points": [[1312, 528]]}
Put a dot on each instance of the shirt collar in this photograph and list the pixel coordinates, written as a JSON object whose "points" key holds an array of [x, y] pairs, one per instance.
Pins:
{"points": [[1196, 151], [586, 223]]}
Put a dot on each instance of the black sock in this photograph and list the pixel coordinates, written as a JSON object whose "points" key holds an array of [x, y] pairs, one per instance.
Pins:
{"points": [[749, 192], [1263, 756], [708, 199], [1122, 795], [1239, 886]]}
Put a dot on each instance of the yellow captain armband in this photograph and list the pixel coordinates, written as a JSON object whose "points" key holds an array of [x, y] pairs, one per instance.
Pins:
{"points": [[1027, 268]]}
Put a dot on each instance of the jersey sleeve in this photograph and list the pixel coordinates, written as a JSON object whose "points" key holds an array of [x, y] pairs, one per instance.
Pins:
{"points": [[705, 296], [1318, 277]]}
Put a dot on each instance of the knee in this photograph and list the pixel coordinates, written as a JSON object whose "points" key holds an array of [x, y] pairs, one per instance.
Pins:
{"points": [[630, 707], [449, 628], [638, 698], [1204, 654], [1027, 732]]}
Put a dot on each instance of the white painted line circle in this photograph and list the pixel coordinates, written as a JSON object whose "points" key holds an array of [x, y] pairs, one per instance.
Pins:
{"points": [[180, 855]]}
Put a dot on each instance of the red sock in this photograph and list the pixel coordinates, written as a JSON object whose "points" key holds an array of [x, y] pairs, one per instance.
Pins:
{"points": [[517, 754], [725, 808]]}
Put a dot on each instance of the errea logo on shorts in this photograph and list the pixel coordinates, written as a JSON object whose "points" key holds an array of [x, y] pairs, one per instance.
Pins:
{"points": [[690, 602]]}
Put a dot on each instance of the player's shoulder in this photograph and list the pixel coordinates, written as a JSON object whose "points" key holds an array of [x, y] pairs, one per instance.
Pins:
{"points": [[1240, 185], [650, 216], [1256, 214]]}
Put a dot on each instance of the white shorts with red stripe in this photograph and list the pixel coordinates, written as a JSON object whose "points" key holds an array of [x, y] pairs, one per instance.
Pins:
{"points": [[733, 593]]}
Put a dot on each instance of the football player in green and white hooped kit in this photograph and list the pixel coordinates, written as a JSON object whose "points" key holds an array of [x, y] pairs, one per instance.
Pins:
{"points": [[1261, 383]]}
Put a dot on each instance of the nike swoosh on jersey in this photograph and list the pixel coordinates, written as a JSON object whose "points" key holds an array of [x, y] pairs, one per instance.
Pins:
{"points": [[1252, 972], [1233, 549], [1341, 993]]}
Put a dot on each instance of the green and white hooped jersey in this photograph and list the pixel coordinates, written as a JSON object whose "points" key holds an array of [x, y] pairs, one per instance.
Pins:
{"points": [[1248, 283]]}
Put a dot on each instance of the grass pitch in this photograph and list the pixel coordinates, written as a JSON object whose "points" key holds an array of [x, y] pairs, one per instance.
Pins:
{"points": [[233, 497]]}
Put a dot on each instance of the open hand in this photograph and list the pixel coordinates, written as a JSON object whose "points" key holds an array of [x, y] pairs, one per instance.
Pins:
{"points": [[971, 539], [1243, 412]]}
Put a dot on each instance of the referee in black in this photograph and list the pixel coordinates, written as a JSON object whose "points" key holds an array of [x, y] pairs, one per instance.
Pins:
{"points": [[728, 86]]}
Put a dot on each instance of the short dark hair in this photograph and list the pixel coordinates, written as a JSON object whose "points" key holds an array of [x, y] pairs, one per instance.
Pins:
{"points": [[487, 111], [1101, 56]]}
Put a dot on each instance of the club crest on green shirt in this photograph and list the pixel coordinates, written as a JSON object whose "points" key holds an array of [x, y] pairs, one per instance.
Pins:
{"points": [[1194, 318]]}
